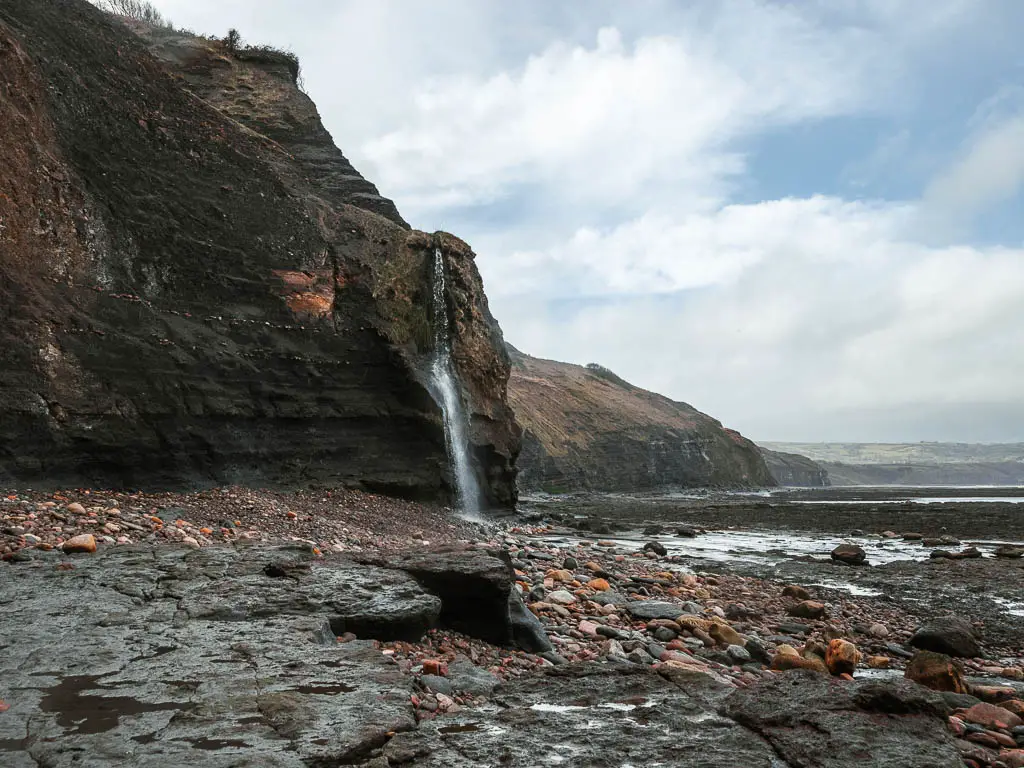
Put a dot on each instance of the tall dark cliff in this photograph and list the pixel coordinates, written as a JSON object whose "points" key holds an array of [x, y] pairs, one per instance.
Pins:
{"points": [[196, 287], [587, 429]]}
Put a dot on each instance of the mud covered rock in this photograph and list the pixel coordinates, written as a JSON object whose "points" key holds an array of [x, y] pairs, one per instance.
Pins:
{"points": [[816, 722]]}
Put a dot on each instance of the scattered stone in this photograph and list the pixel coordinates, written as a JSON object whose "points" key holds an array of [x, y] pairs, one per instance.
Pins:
{"points": [[878, 630], [808, 609], [850, 554], [83, 543], [794, 590], [601, 585], [1009, 551], [841, 657], [656, 547], [879, 662], [438, 684], [991, 716], [469, 678], [726, 635], [686, 532], [561, 597], [950, 635], [652, 609], [793, 628], [936, 671], [738, 653]]}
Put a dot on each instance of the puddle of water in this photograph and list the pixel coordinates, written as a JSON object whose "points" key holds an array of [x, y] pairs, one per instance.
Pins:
{"points": [[764, 546], [325, 689], [559, 708], [920, 500], [87, 713], [1012, 608], [852, 589]]}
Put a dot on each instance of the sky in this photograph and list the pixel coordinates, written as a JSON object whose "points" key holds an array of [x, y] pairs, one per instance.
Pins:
{"points": [[803, 218]]}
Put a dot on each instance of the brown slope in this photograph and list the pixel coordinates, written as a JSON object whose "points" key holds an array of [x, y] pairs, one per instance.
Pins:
{"points": [[197, 288], [585, 428]]}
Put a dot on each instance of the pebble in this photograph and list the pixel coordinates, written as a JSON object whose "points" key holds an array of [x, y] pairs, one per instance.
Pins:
{"points": [[878, 630], [739, 654], [561, 597], [84, 543]]}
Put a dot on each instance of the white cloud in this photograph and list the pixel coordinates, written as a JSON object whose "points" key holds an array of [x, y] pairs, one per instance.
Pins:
{"points": [[990, 170], [832, 309], [617, 124]]}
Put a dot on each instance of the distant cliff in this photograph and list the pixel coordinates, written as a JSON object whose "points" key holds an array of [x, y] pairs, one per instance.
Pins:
{"points": [[925, 463], [586, 428], [795, 470], [919, 473], [196, 286]]}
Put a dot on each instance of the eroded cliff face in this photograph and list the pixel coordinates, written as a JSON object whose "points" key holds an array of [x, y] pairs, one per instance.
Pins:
{"points": [[795, 470], [196, 287], [587, 429]]}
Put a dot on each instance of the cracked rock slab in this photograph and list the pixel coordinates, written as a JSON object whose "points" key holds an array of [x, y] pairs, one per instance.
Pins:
{"points": [[173, 656]]}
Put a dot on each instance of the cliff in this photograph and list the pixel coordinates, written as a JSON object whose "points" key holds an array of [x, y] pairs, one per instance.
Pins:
{"points": [[586, 428], [795, 470], [1009, 473], [197, 288]]}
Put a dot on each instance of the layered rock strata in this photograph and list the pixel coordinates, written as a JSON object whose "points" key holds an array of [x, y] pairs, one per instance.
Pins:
{"points": [[197, 288]]}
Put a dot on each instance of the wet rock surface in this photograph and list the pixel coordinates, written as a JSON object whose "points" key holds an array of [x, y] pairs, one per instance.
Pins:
{"points": [[590, 715], [813, 721], [173, 656]]}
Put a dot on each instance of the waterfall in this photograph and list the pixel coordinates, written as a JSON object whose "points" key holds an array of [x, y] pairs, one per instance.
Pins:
{"points": [[445, 389]]}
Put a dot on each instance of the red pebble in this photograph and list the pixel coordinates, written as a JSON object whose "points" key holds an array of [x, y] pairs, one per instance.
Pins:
{"points": [[434, 667]]}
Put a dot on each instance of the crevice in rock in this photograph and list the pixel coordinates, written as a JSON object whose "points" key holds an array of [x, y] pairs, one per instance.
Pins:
{"points": [[388, 630]]}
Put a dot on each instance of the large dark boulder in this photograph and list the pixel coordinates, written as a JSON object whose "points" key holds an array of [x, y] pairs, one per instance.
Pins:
{"points": [[477, 593], [813, 721], [849, 554], [950, 635]]}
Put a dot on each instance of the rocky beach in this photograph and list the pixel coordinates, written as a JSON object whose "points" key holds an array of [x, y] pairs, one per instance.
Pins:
{"points": [[243, 627], [278, 494]]}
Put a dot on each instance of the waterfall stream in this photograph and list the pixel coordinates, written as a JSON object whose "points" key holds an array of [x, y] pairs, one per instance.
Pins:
{"points": [[445, 386]]}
